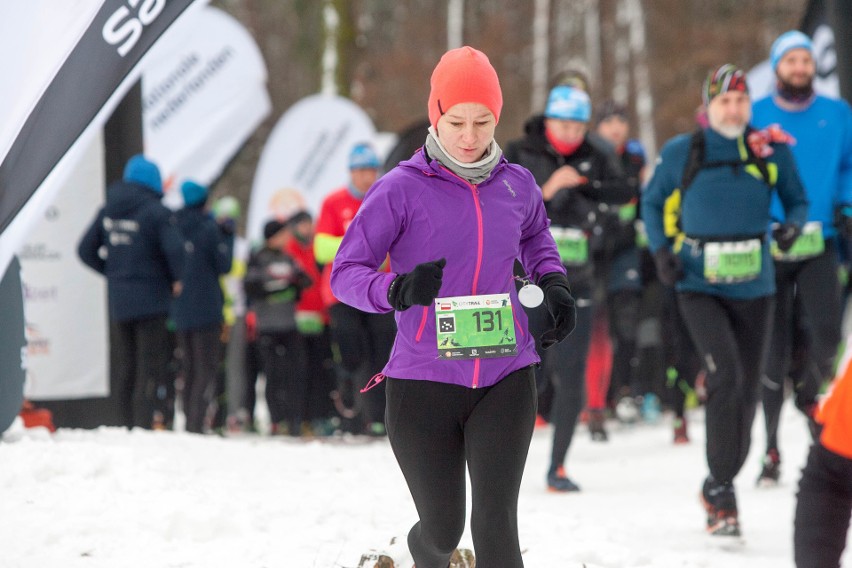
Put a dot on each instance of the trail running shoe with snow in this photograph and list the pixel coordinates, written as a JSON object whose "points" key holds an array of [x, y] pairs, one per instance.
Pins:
{"points": [[771, 471], [462, 558], [558, 482], [725, 523], [680, 435], [720, 503]]}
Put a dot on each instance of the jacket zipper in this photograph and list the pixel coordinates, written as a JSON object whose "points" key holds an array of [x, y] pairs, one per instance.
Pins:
{"points": [[480, 238]]}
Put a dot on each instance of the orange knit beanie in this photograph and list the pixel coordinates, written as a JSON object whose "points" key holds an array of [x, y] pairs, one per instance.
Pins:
{"points": [[464, 75]]}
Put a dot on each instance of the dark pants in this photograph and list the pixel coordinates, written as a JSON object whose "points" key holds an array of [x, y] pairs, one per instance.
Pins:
{"points": [[823, 509], [623, 311], [808, 297], [363, 343], [283, 359], [564, 366], [254, 366], [141, 355], [200, 350], [682, 361], [434, 430], [732, 338], [320, 374]]}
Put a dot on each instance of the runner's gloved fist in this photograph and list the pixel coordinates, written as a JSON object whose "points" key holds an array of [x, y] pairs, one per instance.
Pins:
{"points": [[669, 266], [785, 235], [560, 304], [420, 286]]}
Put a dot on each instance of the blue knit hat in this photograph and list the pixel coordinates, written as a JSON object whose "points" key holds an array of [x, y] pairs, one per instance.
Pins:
{"points": [[793, 39], [144, 172], [193, 193], [363, 156], [568, 103]]}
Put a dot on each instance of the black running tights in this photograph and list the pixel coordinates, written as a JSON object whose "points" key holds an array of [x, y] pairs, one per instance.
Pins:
{"points": [[434, 430]]}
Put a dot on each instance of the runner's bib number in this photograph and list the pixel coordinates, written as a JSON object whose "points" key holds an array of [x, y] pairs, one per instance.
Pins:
{"points": [[475, 327], [809, 244], [731, 262], [573, 245]]}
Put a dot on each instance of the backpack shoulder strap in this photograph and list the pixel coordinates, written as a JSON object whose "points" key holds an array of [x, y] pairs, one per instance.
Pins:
{"points": [[694, 160]]}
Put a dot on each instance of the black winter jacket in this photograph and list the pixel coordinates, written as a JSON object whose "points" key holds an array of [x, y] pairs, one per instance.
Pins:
{"points": [[134, 241]]}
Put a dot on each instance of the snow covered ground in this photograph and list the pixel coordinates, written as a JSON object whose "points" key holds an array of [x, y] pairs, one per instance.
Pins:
{"points": [[113, 498]]}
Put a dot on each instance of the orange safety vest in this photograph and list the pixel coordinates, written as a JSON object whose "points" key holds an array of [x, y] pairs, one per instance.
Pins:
{"points": [[835, 414]]}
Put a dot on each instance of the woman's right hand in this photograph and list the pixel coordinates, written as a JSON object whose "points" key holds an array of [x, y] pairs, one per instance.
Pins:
{"points": [[420, 286]]}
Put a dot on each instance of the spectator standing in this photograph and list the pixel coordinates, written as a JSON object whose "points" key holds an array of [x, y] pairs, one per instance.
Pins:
{"points": [[273, 284], [135, 243], [362, 340], [312, 322], [197, 310]]}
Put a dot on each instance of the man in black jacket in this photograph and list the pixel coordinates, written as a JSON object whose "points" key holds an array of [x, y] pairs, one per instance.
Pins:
{"points": [[579, 177], [135, 243]]}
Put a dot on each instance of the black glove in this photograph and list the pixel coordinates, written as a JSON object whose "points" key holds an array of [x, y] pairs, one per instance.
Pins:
{"points": [[785, 235], [560, 304], [669, 266], [420, 286]]}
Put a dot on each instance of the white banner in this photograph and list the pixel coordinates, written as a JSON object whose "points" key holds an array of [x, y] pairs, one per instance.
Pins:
{"points": [[65, 79], [64, 302], [305, 158], [203, 94]]}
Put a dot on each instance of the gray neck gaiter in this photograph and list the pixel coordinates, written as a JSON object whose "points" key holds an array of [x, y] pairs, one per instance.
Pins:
{"points": [[476, 172]]}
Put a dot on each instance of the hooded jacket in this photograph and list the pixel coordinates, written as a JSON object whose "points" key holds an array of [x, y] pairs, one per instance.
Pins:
{"points": [[421, 212], [144, 251], [208, 256]]}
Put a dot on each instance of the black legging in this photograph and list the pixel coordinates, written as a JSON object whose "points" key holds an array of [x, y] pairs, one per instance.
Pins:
{"points": [[732, 338], [622, 308], [823, 508], [808, 294], [434, 430], [681, 357]]}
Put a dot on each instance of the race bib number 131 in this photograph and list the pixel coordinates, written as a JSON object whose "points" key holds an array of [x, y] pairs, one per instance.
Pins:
{"points": [[475, 327]]}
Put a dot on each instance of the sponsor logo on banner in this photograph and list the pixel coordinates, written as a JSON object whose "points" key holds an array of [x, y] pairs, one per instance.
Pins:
{"points": [[124, 30]]}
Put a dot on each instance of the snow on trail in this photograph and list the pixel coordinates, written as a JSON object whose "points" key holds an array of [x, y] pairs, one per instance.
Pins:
{"points": [[112, 498]]}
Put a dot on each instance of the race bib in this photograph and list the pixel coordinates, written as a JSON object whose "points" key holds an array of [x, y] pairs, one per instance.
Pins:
{"points": [[809, 244], [475, 327], [732, 262], [573, 245]]}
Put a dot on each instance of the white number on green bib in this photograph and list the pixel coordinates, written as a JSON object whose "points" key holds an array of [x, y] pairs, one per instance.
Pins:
{"points": [[809, 244], [732, 262]]}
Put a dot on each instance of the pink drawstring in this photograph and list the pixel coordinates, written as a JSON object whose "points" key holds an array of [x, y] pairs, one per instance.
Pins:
{"points": [[374, 381]]}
